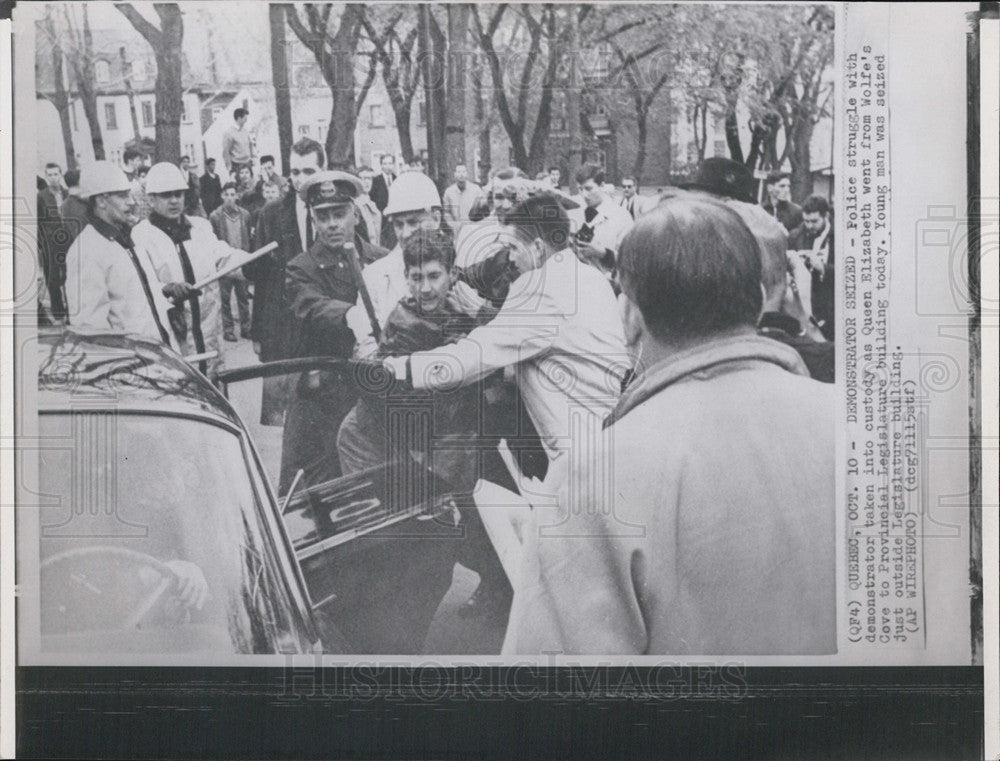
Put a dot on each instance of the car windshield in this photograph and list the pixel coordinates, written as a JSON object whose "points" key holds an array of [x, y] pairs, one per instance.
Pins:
{"points": [[153, 539]]}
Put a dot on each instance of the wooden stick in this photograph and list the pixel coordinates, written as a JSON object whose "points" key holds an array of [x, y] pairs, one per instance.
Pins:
{"points": [[232, 267]]}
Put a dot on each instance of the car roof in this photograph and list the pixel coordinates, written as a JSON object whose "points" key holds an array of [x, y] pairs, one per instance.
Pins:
{"points": [[122, 372]]}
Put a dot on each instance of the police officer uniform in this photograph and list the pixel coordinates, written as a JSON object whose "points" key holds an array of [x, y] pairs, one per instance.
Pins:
{"points": [[320, 287]]}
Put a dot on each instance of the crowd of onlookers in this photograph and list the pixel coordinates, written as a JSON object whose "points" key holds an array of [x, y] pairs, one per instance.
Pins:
{"points": [[688, 322]]}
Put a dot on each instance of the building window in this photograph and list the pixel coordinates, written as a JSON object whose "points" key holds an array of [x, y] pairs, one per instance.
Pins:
{"points": [[189, 152], [719, 148], [139, 70], [184, 113], [110, 117], [304, 130], [216, 113], [375, 116], [102, 72], [148, 118]]}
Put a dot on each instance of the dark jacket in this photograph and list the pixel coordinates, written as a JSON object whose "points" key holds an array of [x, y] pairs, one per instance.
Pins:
{"points": [[52, 248], [788, 213], [824, 296], [270, 325], [192, 196], [819, 356], [211, 192], [320, 288], [380, 191]]}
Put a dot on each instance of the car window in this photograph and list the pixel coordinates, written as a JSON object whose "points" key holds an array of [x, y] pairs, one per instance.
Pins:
{"points": [[152, 540]]}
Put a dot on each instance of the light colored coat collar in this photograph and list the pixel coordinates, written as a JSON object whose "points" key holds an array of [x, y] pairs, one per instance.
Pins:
{"points": [[704, 360]]}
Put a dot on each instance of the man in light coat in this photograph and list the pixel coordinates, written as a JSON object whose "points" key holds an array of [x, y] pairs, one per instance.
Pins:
{"points": [[716, 533], [185, 249], [459, 198], [600, 224], [109, 285]]}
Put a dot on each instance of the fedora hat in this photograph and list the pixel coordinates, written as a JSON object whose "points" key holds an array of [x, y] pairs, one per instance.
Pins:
{"points": [[723, 177]]}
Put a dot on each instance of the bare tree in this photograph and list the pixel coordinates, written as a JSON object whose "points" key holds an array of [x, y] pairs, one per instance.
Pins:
{"points": [[166, 43], [60, 97], [279, 78], [76, 41], [335, 52], [394, 49], [529, 150]]}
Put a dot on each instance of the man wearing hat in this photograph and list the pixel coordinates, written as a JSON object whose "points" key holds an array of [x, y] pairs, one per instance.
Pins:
{"points": [[110, 285], [783, 318], [414, 204], [183, 249], [321, 285]]}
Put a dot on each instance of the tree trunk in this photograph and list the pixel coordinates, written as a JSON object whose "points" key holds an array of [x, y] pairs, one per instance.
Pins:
{"points": [[279, 79], [438, 165], [458, 37], [403, 115], [470, 97], [169, 86], [137, 136], [61, 98], [485, 141], [733, 136], [166, 44], [425, 56], [642, 117], [800, 159], [573, 102], [86, 86]]}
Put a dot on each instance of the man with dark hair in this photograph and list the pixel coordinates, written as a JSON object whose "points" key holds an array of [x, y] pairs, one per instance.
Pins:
{"points": [[779, 201], [555, 177], [192, 196], [232, 223], [211, 188], [131, 160], [55, 183], [636, 205], [371, 215], [812, 243], [718, 535], [600, 224], [268, 174], [237, 148], [287, 223], [559, 320], [74, 209]]}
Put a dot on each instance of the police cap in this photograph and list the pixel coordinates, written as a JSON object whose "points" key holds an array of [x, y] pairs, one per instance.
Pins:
{"points": [[330, 188]]}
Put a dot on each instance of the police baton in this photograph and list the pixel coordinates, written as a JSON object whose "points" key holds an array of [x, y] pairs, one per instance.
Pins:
{"points": [[366, 299]]}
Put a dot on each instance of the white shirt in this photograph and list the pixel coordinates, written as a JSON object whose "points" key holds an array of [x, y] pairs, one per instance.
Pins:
{"points": [[104, 290], [458, 203], [301, 217], [561, 331], [610, 225], [385, 280]]}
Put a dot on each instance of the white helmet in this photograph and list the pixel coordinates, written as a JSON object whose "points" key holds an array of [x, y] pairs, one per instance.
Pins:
{"points": [[165, 178], [102, 177], [412, 191]]}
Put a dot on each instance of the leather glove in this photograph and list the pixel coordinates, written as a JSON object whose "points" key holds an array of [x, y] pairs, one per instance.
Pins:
{"points": [[178, 292]]}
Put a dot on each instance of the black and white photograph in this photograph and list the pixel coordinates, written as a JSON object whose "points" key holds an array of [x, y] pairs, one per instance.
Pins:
{"points": [[462, 336]]}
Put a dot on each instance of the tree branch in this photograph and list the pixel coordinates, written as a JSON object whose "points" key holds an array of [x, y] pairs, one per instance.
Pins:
{"points": [[152, 35]]}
